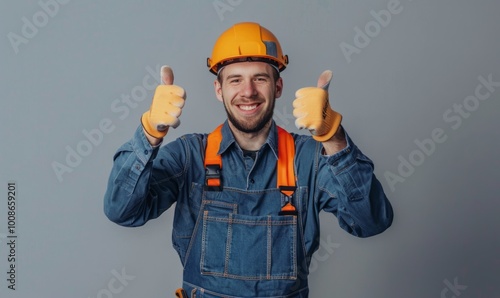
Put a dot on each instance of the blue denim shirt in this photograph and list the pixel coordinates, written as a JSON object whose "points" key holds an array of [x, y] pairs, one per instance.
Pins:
{"points": [[233, 243]]}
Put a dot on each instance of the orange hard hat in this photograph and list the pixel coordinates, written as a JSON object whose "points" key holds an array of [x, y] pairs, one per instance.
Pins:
{"points": [[246, 42]]}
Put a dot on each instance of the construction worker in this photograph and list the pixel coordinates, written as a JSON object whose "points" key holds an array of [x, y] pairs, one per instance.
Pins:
{"points": [[248, 195]]}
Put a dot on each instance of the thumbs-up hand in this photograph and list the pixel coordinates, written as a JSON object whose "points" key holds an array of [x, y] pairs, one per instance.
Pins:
{"points": [[166, 107], [312, 109]]}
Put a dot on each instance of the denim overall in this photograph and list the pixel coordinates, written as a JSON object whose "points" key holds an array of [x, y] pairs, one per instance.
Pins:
{"points": [[242, 247]]}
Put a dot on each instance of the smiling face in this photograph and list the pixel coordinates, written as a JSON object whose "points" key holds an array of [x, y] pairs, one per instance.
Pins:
{"points": [[248, 91]]}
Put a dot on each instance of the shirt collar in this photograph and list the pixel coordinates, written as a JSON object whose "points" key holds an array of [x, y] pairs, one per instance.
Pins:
{"points": [[228, 139]]}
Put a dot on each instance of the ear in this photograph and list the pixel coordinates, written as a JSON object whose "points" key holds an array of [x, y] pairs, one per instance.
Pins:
{"points": [[218, 90], [279, 87]]}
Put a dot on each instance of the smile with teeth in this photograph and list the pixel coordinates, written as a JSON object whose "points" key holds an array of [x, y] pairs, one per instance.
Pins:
{"points": [[248, 107]]}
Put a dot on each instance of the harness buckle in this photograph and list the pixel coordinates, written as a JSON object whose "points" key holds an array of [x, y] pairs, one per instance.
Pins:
{"points": [[286, 199], [213, 177]]}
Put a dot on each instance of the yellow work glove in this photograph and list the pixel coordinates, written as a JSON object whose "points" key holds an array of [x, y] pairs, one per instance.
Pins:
{"points": [[166, 107], [312, 110]]}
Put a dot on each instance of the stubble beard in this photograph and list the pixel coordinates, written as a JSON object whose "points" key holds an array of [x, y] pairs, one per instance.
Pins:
{"points": [[249, 127]]}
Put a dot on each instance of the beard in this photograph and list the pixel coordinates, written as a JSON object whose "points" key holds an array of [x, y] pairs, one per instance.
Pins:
{"points": [[255, 125]]}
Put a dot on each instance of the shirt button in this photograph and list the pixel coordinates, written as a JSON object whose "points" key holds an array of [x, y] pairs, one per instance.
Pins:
{"points": [[252, 181], [146, 152]]}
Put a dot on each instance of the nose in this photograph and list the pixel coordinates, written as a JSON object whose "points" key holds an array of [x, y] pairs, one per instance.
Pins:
{"points": [[248, 89]]}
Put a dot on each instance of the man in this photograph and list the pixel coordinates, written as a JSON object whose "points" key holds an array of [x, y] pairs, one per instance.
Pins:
{"points": [[248, 195]]}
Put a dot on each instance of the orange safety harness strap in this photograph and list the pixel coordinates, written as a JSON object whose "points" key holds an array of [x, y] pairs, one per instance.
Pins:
{"points": [[213, 161], [286, 154], [286, 181]]}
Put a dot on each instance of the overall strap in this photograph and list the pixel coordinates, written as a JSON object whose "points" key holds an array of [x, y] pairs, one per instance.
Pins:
{"points": [[286, 152]]}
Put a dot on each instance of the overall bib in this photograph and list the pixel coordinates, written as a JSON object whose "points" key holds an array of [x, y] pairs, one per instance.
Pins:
{"points": [[247, 242]]}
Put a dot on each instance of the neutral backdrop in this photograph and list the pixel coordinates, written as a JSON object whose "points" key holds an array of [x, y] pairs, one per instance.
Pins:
{"points": [[410, 78]]}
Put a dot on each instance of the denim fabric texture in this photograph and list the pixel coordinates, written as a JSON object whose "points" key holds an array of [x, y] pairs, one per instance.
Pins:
{"points": [[233, 243]]}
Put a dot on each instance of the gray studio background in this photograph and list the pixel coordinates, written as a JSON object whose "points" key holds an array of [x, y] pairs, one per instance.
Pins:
{"points": [[413, 78]]}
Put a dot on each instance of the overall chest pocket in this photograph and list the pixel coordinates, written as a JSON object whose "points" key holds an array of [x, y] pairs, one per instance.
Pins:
{"points": [[248, 247]]}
